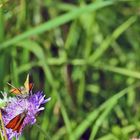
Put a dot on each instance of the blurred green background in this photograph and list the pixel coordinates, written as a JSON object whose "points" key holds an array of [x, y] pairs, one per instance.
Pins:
{"points": [[85, 55]]}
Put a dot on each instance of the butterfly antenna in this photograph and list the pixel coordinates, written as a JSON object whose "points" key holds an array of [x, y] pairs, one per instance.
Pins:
{"points": [[11, 85]]}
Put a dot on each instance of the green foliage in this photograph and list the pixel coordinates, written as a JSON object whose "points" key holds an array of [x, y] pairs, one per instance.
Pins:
{"points": [[83, 54]]}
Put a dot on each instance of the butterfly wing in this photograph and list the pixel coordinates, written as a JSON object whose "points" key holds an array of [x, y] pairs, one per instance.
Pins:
{"points": [[28, 86], [19, 124], [16, 123], [14, 90], [18, 128], [13, 122]]}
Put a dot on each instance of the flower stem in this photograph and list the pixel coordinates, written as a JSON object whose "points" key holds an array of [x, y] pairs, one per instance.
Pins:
{"points": [[3, 128]]}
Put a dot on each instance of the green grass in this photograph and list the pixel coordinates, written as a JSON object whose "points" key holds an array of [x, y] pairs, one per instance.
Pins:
{"points": [[83, 54]]}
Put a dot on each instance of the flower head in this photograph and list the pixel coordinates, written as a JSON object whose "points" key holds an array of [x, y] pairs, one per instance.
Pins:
{"points": [[4, 100], [24, 110]]}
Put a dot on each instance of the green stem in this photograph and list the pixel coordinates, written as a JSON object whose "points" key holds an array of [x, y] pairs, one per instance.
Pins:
{"points": [[4, 135]]}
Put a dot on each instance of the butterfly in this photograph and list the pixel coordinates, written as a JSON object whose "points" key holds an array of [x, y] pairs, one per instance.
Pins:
{"points": [[16, 123], [22, 91]]}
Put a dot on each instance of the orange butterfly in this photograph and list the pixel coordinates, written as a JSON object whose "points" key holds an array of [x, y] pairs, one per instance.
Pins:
{"points": [[16, 123], [22, 90]]}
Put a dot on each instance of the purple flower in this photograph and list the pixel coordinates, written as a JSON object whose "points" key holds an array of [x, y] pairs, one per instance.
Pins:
{"points": [[32, 105]]}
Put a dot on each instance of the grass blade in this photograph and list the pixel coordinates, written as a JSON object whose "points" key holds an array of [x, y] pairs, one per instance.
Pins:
{"points": [[122, 71], [93, 115], [55, 22], [100, 120], [107, 42]]}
